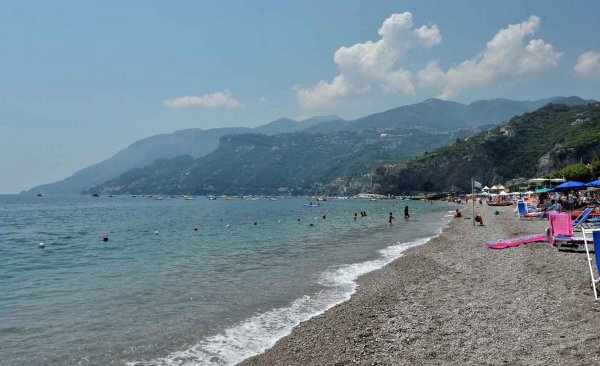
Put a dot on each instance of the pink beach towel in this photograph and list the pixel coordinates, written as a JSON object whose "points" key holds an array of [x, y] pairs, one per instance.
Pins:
{"points": [[509, 243], [560, 225]]}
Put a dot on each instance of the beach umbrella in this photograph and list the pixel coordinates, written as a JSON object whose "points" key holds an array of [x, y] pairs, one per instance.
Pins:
{"points": [[595, 184], [569, 186], [486, 188], [503, 193], [544, 190]]}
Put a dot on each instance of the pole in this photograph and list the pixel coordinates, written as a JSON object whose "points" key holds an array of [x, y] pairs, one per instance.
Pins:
{"points": [[473, 198]]}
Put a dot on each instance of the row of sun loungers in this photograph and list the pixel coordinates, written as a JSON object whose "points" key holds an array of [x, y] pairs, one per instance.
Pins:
{"points": [[579, 235]]}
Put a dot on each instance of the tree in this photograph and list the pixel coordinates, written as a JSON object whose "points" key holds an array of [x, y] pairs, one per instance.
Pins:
{"points": [[578, 172]]}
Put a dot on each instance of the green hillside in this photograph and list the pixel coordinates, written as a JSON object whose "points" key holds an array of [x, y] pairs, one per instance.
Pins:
{"points": [[295, 162], [532, 144]]}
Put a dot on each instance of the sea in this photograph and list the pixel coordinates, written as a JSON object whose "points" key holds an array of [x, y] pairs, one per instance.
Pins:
{"points": [[184, 282]]}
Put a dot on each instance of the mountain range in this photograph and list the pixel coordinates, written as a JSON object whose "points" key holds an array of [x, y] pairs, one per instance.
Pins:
{"points": [[430, 116], [294, 163], [530, 145]]}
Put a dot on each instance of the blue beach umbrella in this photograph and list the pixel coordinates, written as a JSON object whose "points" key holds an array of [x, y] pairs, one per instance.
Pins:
{"points": [[595, 184], [569, 186]]}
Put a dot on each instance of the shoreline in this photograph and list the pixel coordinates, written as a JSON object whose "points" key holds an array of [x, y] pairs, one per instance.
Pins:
{"points": [[453, 300], [340, 283]]}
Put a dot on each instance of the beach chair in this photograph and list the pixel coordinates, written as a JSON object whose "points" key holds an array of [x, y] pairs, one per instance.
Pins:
{"points": [[560, 226], [595, 236], [581, 220], [560, 233], [525, 213]]}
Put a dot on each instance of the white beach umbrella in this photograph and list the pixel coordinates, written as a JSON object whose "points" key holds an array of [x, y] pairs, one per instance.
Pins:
{"points": [[486, 188]]}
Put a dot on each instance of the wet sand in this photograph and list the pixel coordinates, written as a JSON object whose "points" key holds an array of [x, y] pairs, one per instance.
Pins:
{"points": [[454, 301]]}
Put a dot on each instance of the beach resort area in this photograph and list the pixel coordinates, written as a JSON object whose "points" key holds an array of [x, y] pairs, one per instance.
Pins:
{"points": [[468, 296]]}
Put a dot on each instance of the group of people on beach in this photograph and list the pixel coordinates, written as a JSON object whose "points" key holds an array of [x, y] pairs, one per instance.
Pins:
{"points": [[478, 217]]}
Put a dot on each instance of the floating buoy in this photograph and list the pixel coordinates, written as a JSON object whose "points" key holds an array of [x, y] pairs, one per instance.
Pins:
{"points": [[105, 238], [227, 225], [155, 232], [41, 245]]}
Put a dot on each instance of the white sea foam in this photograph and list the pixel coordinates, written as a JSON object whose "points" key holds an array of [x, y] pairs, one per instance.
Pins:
{"points": [[258, 333]]}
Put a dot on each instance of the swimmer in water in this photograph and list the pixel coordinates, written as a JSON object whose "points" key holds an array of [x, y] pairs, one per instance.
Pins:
{"points": [[391, 218]]}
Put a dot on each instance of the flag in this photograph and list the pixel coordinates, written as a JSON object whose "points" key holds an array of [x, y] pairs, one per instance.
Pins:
{"points": [[476, 184]]}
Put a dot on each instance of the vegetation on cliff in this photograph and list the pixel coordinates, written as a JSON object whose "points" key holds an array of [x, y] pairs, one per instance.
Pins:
{"points": [[295, 162], [532, 144]]}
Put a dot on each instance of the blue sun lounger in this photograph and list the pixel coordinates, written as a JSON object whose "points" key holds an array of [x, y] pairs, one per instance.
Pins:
{"points": [[525, 213], [581, 220]]}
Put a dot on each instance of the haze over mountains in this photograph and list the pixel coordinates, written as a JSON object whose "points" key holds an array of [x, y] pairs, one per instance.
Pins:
{"points": [[430, 116]]}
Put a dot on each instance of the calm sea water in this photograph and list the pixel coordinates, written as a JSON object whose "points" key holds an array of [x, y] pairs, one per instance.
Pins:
{"points": [[179, 296]]}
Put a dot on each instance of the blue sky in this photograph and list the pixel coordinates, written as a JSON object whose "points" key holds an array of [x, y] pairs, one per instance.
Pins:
{"points": [[81, 80]]}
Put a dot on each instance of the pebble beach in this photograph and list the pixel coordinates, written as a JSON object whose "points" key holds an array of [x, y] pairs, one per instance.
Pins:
{"points": [[455, 301]]}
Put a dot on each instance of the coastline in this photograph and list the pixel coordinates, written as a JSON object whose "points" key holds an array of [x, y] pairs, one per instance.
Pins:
{"points": [[453, 300]]}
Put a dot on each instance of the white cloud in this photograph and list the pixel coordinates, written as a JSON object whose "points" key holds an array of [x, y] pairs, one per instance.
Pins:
{"points": [[507, 57], [588, 65], [371, 66], [213, 100], [432, 75]]}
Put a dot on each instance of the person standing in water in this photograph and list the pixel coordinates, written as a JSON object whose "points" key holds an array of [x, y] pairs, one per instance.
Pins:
{"points": [[406, 215], [391, 218]]}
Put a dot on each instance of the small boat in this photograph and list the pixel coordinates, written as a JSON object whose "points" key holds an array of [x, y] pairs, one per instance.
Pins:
{"points": [[95, 195], [212, 198], [312, 204], [322, 198], [188, 198], [40, 194]]}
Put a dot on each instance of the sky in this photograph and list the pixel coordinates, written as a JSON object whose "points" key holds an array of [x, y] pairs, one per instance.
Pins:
{"points": [[81, 80]]}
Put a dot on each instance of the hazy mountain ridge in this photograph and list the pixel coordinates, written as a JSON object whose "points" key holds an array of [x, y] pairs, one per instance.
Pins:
{"points": [[195, 142], [296, 163], [432, 115]]}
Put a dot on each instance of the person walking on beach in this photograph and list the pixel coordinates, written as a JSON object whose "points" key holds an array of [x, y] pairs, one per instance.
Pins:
{"points": [[391, 218], [406, 215]]}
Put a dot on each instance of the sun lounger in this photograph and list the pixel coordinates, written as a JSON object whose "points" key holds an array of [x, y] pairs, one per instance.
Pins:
{"points": [[561, 233], [525, 213], [560, 226], [595, 235], [581, 220]]}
